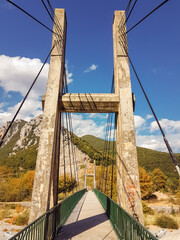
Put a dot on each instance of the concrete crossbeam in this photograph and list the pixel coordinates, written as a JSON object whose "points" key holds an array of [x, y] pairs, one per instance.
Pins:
{"points": [[89, 103]]}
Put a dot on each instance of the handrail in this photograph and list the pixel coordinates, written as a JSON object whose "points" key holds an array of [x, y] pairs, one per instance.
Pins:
{"points": [[47, 225], [125, 226]]}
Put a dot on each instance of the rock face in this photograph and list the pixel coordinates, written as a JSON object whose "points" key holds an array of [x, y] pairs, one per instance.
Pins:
{"points": [[29, 134], [24, 134], [73, 161], [12, 132]]}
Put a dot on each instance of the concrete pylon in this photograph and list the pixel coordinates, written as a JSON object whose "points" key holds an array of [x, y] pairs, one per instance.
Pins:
{"points": [[128, 189], [45, 194]]}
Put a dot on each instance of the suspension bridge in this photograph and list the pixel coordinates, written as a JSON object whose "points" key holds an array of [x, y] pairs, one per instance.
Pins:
{"points": [[87, 214]]}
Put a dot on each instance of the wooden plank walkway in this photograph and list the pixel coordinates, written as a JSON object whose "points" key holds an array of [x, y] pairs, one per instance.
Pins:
{"points": [[87, 221]]}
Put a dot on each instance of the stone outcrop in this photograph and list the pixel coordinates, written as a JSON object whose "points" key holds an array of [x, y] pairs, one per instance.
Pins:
{"points": [[27, 134]]}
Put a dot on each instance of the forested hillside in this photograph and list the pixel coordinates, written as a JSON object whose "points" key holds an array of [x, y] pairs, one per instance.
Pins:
{"points": [[20, 150], [147, 158]]}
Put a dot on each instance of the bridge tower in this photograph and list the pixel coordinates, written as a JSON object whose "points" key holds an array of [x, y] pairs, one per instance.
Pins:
{"points": [[47, 165]]}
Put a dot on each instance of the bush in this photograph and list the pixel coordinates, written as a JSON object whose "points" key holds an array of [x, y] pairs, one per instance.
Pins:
{"points": [[146, 209], [21, 219], [5, 213], [166, 222], [12, 206]]}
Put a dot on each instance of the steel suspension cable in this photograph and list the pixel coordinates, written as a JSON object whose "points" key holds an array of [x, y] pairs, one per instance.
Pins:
{"points": [[12, 121], [55, 17], [108, 151], [54, 20], [128, 6], [47, 10], [71, 130], [64, 154], [73, 148], [113, 159], [42, 24], [147, 15], [104, 154], [106, 144], [131, 11], [67, 125]]}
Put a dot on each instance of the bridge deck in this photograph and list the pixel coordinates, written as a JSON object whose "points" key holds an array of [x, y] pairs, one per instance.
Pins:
{"points": [[88, 221]]}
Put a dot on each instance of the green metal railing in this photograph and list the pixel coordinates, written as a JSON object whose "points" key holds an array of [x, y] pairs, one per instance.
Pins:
{"points": [[126, 227], [46, 226]]}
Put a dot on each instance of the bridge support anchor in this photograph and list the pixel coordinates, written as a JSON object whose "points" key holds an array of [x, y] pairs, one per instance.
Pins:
{"points": [[128, 189]]}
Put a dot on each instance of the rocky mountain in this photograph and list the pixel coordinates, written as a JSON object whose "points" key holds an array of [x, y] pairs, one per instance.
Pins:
{"points": [[20, 147], [22, 134]]}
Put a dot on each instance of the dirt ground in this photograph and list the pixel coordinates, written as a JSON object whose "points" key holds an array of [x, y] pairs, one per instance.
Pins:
{"points": [[170, 234], [8, 230]]}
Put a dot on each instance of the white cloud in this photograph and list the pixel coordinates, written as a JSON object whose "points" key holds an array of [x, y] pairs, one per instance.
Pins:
{"points": [[83, 127], [151, 142], [169, 126], [155, 140], [149, 116], [93, 67], [2, 105], [97, 115], [17, 75], [139, 121], [68, 75]]}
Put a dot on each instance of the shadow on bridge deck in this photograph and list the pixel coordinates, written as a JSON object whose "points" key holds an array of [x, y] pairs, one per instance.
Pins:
{"points": [[87, 221]]}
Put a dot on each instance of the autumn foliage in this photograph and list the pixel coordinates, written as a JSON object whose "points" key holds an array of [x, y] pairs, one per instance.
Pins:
{"points": [[158, 179], [67, 184], [145, 183], [17, 189]]}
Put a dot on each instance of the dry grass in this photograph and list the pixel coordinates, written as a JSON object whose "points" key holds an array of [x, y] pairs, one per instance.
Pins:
{"points": [[15, 214], [6, 211], [151, 219]]}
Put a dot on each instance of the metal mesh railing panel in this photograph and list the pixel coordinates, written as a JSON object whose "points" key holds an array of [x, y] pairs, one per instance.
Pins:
{"points": [[123, 223], [46, 226]]}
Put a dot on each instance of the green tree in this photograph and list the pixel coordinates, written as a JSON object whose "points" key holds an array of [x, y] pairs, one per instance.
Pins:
{"points": [[145, 183], [159, 179]]}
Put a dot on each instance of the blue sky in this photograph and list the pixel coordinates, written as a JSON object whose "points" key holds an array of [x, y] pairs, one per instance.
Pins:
{"points": [[153, 46]]}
